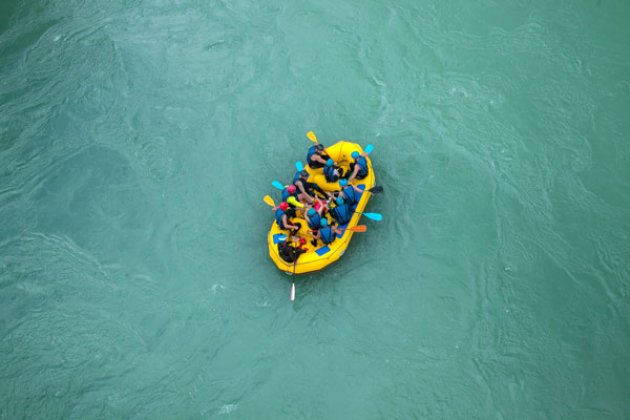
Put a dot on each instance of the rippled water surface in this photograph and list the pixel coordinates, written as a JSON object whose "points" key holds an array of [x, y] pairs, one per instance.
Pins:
{"points": [[137, 139]]}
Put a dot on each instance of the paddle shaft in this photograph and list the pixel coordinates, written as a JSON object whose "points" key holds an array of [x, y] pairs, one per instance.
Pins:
{"points": [[295, 257]]}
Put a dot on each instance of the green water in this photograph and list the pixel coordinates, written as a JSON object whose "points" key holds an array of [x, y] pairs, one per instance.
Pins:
{"points": [[137, 139]]}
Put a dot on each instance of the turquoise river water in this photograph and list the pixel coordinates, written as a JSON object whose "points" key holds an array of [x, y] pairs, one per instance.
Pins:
{"points": [[138, 137]]}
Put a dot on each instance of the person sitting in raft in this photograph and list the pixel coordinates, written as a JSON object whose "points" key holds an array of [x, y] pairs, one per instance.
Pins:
{"points": [[291, 196], [341, 213], [313, 219], [289, 251], [283, 218], [300, 180], [326, 233], [322, 205], [358, 168], [289, 191], [350, 193], [316, 156], [331, 172], [305, 188]]}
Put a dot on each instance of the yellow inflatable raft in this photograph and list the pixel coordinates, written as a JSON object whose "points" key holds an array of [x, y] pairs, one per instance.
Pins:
{"points": [[317, 257]]}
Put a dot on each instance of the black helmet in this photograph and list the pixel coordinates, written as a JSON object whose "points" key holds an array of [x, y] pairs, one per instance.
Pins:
{"points": [[319, 147], [304, 174]]}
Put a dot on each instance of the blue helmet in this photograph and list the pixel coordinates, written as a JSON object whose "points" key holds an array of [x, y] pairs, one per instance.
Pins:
{"points": [[355, 154], [329, 162], [339, 201], [323, 223], [311, 212], [343, 182]]}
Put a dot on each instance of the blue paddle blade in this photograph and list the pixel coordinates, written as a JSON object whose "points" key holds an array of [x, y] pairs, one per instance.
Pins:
{"points": [[299, 166], [281, 238], [369, 148], [374, 216], [278, 185]]}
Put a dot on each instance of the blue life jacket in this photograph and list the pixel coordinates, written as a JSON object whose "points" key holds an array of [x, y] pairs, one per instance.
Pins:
{"points": [[314, 221], [350, 194], [363, 167], [329, 173], [309, 158], [279, 214], [297, 181], [341, 214], [326, 235], [310, 153]]}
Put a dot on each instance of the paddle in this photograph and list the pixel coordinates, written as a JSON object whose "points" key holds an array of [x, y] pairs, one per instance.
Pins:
{"points": [[358, 228], [269, 201], [369, 148], [278, 185], [373, 216], [311, 137], [299, 166], [290, 200], [376, 189], [293, 201], [293, 277]]}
